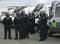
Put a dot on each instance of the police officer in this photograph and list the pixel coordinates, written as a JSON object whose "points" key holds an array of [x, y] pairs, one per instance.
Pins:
{"points": [[43, 26], [31, 23], [24, 27], [7, 26], [18, 24]]}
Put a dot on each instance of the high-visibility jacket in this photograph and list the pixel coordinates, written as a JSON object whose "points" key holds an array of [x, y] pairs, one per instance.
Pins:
{"points": [[53, 24]]}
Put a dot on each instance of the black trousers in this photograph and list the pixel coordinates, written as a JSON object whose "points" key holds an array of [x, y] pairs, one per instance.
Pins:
{"points": [[17, 31], [25, 30], [31, 28], [7, 30], [43, 34], [46, 34]]}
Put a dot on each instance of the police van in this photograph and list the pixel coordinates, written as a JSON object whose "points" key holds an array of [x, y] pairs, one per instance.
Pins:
{"points": [[54, 23]]}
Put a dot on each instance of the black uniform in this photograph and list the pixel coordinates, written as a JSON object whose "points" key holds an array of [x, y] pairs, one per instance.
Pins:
{"points": [[43, 27], [18, 26], [7, 26], [31, 23], [25, 26]]}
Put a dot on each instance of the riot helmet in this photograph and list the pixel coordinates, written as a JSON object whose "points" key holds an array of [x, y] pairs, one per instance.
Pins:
{"points": [[22, 12], [18, 14], [43, 14], [7, 14], [32, 13]]}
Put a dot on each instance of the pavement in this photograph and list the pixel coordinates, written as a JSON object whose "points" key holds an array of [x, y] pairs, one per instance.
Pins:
{"points": [[32, 40]]}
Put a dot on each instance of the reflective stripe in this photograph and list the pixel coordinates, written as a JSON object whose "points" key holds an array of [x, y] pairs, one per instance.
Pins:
{"points": [[36, 21], [47, 23]]}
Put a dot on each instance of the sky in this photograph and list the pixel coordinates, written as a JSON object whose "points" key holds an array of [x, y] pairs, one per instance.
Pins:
{"points": [[30, 2], [26, 2]]}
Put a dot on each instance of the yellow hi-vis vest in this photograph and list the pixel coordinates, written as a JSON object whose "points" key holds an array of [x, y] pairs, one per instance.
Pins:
{"points": [[53, 24]]}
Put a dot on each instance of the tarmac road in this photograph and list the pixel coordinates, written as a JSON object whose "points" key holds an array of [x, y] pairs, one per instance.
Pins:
{"points": [[32, 40]]}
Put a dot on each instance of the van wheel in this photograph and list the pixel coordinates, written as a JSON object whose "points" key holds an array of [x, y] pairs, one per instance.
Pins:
{"points": [[50, 34]]}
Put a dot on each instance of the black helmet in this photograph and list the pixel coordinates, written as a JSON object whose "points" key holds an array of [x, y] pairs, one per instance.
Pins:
{"points": [[18, 14], [32, 13], [22, 12], [43, 14], [7, 14]]}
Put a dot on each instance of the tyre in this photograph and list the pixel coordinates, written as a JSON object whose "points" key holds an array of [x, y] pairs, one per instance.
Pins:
{"points": [[50, 34]]}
